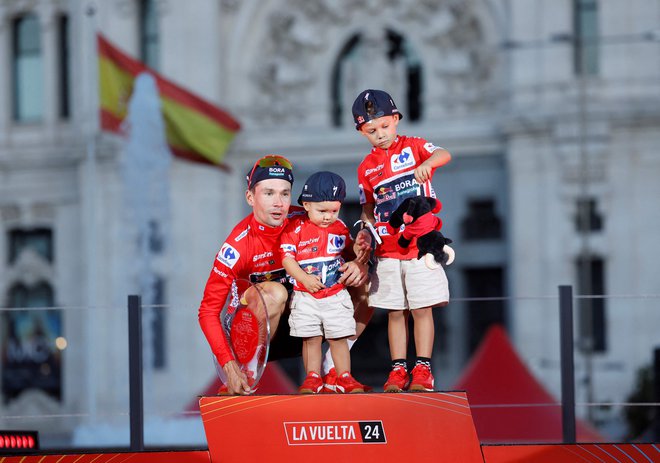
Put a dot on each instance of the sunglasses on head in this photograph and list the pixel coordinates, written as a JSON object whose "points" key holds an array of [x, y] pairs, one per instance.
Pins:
{"points": [[269, 161]]}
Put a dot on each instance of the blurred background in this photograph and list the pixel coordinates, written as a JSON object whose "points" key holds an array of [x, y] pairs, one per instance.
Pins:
{"points": [[550, 109]]}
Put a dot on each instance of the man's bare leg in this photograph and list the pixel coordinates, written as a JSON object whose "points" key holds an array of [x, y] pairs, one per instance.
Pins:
{"points": [[274, 295]]}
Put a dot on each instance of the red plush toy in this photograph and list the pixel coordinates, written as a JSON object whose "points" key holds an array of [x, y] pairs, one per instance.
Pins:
{"points": [[418, 216]]}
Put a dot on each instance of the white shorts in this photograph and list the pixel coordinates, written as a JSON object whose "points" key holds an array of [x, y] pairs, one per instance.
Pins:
{"points": [[407, 284], [331, 316]]}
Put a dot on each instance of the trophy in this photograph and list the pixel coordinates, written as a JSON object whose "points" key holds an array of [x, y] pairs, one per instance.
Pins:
{"points": [[247, 330]]}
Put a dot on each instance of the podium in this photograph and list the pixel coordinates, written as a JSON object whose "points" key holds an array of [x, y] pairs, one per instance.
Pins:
{"points": [[341, 427]]}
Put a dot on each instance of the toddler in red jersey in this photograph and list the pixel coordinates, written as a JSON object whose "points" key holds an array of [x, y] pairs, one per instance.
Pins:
{"points": [[312, 248], [399, 167]]}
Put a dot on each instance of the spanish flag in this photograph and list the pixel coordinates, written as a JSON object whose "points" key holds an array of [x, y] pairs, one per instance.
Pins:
{"points": [[195, 129]]}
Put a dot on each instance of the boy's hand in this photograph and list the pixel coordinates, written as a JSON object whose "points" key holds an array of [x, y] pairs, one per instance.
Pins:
{"points": [[313, 284], [423, 172]]}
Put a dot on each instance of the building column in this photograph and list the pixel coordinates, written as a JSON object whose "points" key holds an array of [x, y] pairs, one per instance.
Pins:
{"points": [[49, 44], [5, 73]]}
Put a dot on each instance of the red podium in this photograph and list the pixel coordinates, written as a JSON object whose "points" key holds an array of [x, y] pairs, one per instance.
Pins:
{"points": [[334, 427]]}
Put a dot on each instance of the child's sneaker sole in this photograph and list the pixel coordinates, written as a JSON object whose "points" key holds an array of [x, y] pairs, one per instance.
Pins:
{"points": [[419, 388]]}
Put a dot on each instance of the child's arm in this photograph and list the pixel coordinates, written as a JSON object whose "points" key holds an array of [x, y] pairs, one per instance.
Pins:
{"points": [[311, 282], [439, 158]]}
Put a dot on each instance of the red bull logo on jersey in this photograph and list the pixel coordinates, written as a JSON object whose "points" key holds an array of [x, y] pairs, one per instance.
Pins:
{"points": [[228, 255], [336, 243], [403, 160]]}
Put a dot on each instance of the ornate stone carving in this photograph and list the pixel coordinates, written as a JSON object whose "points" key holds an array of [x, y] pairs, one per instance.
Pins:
{"points": [[230, 6], [300, 29], [10, 213]]}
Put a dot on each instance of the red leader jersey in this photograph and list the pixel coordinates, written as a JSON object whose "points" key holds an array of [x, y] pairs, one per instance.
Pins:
{"points": [[386, 178], [250, 252], [318, 251]]}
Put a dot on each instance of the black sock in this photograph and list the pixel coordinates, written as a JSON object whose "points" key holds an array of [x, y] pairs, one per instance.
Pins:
{"points": [[424, 361], [400, 363]]}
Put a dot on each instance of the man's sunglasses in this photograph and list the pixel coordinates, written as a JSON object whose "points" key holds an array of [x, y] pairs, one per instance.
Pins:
{"points": [[269, 161]]}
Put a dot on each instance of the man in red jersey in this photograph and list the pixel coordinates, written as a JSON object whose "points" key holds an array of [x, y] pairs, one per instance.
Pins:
{"points": [[251, 252]]}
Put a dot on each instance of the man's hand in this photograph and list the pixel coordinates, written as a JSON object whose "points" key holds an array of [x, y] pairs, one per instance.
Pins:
{"points": [[362, 246], [354, 273], [236, 380]]}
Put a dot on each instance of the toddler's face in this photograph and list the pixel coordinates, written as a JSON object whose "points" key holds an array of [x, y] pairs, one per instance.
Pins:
{"points": [[381, 132], [324, 213]]}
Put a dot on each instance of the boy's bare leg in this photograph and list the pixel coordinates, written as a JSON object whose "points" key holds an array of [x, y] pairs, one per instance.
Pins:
{"points": [[424, 331], [340, 355], [362, 314], [312, 354], [397, 333]]}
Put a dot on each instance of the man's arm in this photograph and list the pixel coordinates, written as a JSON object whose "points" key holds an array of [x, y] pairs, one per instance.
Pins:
{"points": [[367, 214], [217, 288]]}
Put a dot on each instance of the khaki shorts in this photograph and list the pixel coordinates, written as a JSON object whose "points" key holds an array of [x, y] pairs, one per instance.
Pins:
{"points": [[331, 316], [407, 284]]}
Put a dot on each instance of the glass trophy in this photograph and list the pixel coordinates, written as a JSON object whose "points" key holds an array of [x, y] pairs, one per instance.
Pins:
{"points": [[247, 329]]}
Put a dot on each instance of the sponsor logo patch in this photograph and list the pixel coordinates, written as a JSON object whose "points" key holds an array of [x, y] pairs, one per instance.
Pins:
{"points": [[336, 243], [228, 255], [403, 160]]}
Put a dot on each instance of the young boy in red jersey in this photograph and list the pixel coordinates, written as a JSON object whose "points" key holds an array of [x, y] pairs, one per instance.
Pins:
{"points": [[399, 167], [312, 247]]}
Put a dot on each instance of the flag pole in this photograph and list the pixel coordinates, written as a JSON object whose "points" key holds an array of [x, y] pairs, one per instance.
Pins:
{"points": [[91, 125]]}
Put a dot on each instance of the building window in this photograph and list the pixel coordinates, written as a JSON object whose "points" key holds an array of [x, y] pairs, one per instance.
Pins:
{"points": [[40, 240], [27, 72], [585, 30], [149, 35], [63, 52], [587, 218], [482, 222], [30, 355], [592, 317], [39, 295], [481, 284], [386, 62]]}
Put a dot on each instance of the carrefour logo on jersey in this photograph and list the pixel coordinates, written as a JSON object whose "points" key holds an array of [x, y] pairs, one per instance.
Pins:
{"points": [[288, 247], [336, 243], [403, 160], [228, 255]]}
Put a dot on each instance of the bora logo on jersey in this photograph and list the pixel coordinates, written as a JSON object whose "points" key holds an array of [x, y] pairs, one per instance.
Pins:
{"points": [[403, 160], [336, 243]]}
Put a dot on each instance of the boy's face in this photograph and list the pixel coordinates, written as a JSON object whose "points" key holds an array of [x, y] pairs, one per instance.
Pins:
{"points": [[324, 213], [381, 132], [270, 200]]}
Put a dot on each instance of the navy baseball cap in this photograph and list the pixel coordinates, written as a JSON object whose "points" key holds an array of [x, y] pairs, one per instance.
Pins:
{"points": [[271, 166], [323, 186], [372, 104]]}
